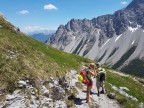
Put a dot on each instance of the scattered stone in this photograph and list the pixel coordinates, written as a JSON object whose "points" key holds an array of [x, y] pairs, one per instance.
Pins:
{"points": [[12, 54], [120, 90], [32, 82], [45, 91], [111, 95], [140, 80], [124, 88], [2, 91], [22, 83], [9, 97], [47, 102], [141, 105], [51, 79], [51, 85], [62, 81], [58, 93], [56, 82], [60, 104]]}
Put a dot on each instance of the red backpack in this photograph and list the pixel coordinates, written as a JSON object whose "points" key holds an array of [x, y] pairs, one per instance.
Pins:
{"points": [[83, 73]]}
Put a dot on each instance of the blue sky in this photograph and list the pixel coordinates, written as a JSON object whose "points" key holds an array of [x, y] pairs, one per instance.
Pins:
{"points": [[31, 15]]}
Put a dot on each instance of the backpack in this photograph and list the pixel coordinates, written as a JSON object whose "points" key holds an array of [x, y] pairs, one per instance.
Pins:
{"points": [[83, 73], [102, 75]]}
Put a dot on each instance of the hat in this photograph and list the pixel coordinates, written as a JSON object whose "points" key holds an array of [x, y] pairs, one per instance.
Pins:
{"points": [[97, 64]]}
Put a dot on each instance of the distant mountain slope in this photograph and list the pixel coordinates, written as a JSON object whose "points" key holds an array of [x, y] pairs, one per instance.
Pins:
{"points": [[114, 39], [41, 36]]}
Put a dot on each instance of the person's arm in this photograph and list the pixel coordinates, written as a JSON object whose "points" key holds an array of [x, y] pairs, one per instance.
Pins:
{"points": [[93, 73]]}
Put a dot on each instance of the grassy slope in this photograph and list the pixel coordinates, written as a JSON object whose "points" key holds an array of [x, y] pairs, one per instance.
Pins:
{"points": [[135, 67], [136, 89], [33, 59]]}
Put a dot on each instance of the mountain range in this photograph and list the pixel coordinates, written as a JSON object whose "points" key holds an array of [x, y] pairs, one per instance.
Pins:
{"points": [[43, 37], [116, 40]]}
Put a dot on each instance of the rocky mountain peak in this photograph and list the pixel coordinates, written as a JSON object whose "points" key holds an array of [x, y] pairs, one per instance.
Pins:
{"points": [[136, 4], [92, 38]]}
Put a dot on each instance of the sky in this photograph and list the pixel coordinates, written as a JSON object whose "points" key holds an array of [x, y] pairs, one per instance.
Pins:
{"points": [[36, 15]]}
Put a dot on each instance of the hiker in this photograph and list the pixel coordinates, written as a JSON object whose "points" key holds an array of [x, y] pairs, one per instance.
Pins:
{"points": [[100, 79], [91, 71]]}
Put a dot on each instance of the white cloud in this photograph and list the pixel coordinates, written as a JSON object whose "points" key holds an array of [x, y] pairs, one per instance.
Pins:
{"points": [[36, 29], [123, 2], [50, 7], [24, 12]]}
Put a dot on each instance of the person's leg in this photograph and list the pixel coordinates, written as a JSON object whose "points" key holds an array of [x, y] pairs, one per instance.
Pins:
{"points": [[88, 100], [98, 87], [102, 85]]}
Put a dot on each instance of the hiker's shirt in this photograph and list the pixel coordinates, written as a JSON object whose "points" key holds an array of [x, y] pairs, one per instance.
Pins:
{"points": [[89, 76]]}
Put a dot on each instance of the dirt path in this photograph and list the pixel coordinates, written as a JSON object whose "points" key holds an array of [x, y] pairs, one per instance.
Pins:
{"points": [[98, 102]]}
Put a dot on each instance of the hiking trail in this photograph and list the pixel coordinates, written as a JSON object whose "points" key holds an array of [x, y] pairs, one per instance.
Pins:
{"points": [[101, 101]]}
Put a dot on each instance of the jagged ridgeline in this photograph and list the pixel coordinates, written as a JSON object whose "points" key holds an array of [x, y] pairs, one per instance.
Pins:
{"points": [[22, 57], [114, 39]]}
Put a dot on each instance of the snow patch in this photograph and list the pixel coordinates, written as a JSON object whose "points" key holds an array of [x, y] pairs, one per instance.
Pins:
{"points": [[118, 37], [134, 52], [105, 43], [133, 29], [74, 37], [133, 42], [130, 22], [139, 26]]}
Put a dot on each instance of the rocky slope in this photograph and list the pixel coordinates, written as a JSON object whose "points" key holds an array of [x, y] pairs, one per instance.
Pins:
{"points": [[53, 93], [55, 97], [115, 39]]}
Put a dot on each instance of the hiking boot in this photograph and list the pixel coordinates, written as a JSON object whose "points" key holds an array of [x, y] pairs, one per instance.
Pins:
{"points": [[91, 92], [102, 92], [98, 93]]}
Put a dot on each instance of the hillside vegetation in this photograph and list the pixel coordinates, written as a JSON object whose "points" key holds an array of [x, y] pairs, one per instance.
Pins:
{"points": [[136, 89], [22, 57], [135, 67]]}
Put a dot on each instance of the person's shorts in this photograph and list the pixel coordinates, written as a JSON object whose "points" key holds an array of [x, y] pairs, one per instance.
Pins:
{"points": [[100, 84], [89, 83]]}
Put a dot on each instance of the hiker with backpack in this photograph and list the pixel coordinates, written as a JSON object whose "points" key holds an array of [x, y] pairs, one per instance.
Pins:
{"points": [[87, 74], [100, 79]]}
